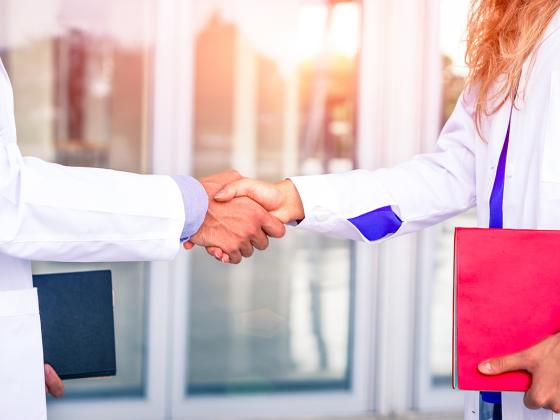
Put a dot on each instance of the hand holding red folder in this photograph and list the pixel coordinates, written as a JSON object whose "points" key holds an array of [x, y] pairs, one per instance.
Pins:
{"points": [[507, 313], [542, 361]]}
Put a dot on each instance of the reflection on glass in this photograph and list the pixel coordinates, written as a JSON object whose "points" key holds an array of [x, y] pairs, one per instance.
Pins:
{"points": [[275, 95], [79, 77], [453, 21], [441, 311]]}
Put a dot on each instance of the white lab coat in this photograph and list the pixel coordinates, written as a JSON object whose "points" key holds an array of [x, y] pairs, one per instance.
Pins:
{"points": [[55, 213], [460, 174]]}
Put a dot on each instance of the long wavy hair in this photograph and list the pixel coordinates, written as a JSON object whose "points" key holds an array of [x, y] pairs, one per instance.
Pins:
{"points": [[501, 35]]}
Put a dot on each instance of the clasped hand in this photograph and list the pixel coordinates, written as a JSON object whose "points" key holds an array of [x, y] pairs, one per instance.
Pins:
{"points": [[243, 213]]}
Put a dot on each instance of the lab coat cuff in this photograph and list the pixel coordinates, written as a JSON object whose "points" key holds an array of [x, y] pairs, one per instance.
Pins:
{"points": [[316, 207], [195, 202], [330, 203]]}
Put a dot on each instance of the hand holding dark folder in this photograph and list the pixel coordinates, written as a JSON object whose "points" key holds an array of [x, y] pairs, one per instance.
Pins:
{"points": [[77, 323]]}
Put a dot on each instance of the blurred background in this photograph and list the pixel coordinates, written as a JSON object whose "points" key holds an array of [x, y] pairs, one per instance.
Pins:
{"points": [[316, 326]]}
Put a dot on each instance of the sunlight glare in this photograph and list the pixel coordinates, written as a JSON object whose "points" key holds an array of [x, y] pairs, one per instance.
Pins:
{"points": [[312, 23], [344, 31]]}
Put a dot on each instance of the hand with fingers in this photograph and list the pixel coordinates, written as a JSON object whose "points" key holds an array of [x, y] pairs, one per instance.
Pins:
{"points": [[233, 228], [542, 361], [53, 383], [281, 200]]}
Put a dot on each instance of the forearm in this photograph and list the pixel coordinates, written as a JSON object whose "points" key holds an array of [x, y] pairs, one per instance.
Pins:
{"points": [[57, 213], [371, 205]]}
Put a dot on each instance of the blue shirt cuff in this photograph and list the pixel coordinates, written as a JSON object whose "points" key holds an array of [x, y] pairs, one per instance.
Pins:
{"points": [[195, 201], [377, 224]]}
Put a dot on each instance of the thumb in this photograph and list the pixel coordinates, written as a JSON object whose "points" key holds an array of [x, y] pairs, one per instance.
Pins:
{"points": [[509, 363], [241, 188]]}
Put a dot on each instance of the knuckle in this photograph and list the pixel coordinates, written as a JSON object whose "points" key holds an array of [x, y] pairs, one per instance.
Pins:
{"points": [[539, 400], [247, 232], [264, 243], [258, 217], [530, 360], [253, 229], [261, 213], [499, 364], [259, 242], [230, 249]]}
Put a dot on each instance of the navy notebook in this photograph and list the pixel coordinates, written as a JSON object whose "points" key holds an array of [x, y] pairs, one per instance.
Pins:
{"points": [[77, 323]]}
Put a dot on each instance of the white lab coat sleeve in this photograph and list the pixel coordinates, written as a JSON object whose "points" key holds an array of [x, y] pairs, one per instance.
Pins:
{"points": [[57, 213], [421, 192]]}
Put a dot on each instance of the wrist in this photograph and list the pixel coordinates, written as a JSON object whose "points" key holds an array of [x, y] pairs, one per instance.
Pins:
{"points": [[293, 206], [195, 204]]}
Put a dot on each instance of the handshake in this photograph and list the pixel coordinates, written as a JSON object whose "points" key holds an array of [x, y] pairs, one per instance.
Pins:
{"points": [[243, 213]]}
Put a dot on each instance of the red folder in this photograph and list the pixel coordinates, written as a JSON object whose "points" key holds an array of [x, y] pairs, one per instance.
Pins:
{"points": [[506, 299]]}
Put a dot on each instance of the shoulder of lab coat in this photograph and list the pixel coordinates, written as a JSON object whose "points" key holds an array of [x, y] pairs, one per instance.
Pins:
{"points": [[57, 213], [423, 191]]}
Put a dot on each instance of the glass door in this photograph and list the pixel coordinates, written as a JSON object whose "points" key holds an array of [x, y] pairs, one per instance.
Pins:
{"points": [[266, 87], [435, 326], [81, 77], [274, 94]]}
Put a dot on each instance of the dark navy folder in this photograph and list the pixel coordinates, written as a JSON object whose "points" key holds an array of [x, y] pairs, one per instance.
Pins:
{"points": [[77, 323]]}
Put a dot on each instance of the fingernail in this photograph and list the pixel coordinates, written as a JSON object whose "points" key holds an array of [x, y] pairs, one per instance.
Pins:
{"points": [[485, 367], [220, 194]]}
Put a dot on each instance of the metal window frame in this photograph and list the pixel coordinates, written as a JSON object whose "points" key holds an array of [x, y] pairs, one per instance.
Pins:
{"points": [[154, 404], [427, 395]]}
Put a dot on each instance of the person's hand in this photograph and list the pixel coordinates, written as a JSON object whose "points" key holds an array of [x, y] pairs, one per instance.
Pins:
{"points": [[235, 227], [53, 383], [542, 361], [282, 200]]}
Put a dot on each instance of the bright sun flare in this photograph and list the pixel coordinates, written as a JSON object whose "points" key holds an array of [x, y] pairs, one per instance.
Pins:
{"points": [[340, 38]]}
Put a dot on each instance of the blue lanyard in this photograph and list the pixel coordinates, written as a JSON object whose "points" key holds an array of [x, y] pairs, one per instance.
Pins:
{"points": [[497, 197], [497, 222]]}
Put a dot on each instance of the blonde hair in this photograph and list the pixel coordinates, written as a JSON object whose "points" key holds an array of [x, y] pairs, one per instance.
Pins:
{"points": [[501, 35]]}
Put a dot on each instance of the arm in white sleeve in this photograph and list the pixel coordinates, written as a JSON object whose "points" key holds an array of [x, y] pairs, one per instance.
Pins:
{"points": [[421, 192], [57, 213]]}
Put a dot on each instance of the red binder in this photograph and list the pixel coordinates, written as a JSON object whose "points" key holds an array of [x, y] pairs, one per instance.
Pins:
{"points": [[506, 299]]}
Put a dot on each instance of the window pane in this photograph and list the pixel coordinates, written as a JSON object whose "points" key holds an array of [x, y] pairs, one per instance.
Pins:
{"points": [[79, 71], [275, 95], [453, 22]]}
